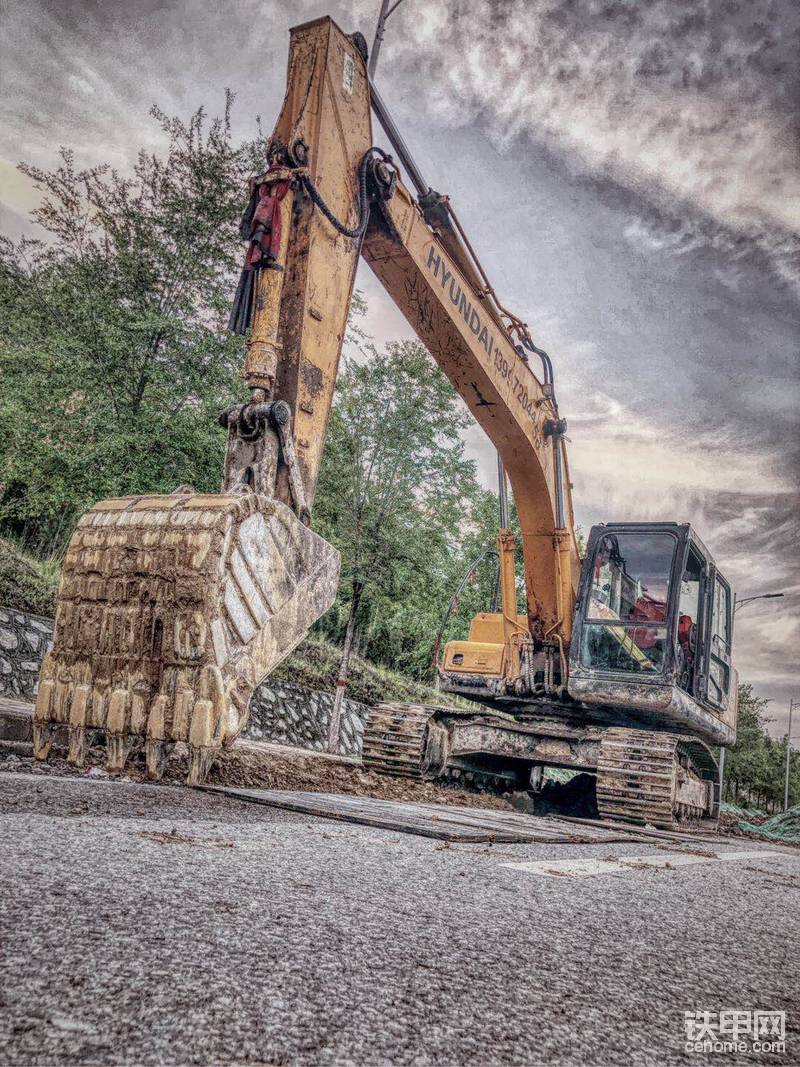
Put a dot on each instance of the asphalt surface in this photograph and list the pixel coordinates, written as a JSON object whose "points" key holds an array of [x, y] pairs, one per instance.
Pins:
{"points": [[157, 925]]}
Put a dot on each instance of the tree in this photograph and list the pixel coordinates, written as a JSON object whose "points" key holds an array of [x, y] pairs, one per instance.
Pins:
{"points": [[393, 484], [114, 351], [755, 765]]}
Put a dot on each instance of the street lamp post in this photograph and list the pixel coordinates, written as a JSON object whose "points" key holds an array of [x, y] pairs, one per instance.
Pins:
{"points": [[737, 604], [788, 757]]}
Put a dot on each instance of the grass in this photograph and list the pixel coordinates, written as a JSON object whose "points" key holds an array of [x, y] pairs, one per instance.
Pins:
{"points": [[26, 582], [315, 664]]}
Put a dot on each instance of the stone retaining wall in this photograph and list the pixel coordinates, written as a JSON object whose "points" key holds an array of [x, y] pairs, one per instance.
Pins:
{"points": [[24, 639], [294, 715], [279, 711]]}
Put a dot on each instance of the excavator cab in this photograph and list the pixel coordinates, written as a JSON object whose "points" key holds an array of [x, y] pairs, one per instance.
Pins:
{"points": [[653, 630], [650, 647]]}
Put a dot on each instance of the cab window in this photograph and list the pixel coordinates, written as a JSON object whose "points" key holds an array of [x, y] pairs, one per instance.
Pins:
{"points": [[720, 616], [631, 577], [719, 671], [628, 600], [689, 620]]}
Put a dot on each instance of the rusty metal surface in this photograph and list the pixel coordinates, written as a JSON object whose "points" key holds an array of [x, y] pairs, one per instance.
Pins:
{"points": [[654, 778], [330, 115], [642, 776], [395, 737], [171, 610], [664, 704], [579, 752], [418, 740]]}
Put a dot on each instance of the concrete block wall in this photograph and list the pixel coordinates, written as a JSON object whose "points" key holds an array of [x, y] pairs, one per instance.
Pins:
{"points": [[24, 639], [279, 711]]}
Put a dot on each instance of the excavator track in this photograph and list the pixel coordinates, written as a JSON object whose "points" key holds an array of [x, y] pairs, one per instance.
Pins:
{"points": [[395, 740], [656, 778], [411, 741]]}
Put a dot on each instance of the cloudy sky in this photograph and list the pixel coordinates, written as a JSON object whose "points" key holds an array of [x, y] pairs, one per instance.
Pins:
{"points": [[628, 171]]}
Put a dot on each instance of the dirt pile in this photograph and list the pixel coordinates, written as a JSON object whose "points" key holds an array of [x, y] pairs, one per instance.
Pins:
{"points": [[254, 765], [269, 767]]}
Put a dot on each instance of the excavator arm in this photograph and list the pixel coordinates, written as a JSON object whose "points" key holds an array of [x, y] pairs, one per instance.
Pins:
{"points": [[472, 346]]}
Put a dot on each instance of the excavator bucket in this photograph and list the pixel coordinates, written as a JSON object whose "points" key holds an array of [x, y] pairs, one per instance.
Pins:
{"points": [[171, 610]]}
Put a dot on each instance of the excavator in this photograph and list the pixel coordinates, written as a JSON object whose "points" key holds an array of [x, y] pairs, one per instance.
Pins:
{"points": [[173, 608]]}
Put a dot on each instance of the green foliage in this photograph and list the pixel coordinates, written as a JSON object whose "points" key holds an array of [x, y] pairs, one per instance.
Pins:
{"points": [[755, 765], [315, 663], [401, 501], [27, 583], [114, 354]]}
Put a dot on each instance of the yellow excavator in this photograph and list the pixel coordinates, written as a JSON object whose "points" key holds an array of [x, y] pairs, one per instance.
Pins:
{"points": [[172, 609]]}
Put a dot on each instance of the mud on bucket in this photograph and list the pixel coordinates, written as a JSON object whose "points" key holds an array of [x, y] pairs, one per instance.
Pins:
{"points": [[171, 611]]}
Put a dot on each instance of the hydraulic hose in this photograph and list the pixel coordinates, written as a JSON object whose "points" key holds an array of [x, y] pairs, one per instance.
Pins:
{"points": [[363, 205]]}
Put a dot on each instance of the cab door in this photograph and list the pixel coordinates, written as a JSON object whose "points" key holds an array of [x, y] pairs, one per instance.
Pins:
{"points": [[719, 640]]}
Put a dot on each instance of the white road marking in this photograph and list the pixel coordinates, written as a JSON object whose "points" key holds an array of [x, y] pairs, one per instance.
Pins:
{"points": [[624, 864]]}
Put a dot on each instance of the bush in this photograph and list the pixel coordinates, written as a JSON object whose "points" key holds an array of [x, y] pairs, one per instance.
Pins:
{"points": [[26, 583]]}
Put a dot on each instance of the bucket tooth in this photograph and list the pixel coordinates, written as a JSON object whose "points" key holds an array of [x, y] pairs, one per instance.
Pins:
{"points": [[171, 610], [62, 696], [77, 746], [201, 741], [117, 708], [99, 702], [42, 739], [118, 747], [138, 708], [156, 748], [201, 761], [43, 712], [156, 754], [77, 724], [181, 714], [46, 692], [118, 741]]}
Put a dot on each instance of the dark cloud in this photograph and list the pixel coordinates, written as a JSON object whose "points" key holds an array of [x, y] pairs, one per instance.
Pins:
{"points": [[693, 105]]}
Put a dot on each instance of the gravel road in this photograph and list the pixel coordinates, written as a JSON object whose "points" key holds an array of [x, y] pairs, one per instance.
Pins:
{"points": [[157, 925]]}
